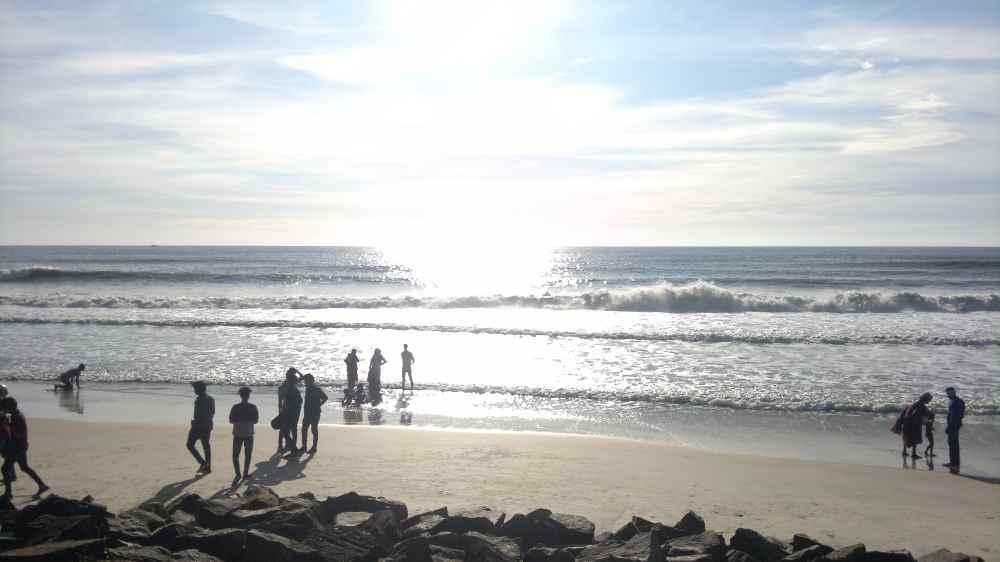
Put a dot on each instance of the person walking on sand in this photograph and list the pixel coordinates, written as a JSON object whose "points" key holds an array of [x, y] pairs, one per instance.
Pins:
{"points": [[15, 449], [201, 427], [911, 422], [315, 398], [408, 361], [352, 368], [956, 412], [70, 377], [375, 376], [289, 408], [243, 416]]}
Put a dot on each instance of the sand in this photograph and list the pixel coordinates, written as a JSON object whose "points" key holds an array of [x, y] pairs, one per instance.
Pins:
{"points": [[606, 479]]}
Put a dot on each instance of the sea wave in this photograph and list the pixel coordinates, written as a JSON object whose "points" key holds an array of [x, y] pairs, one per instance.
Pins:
{"points": [[698, 297], [692, 337], [340, 274]]}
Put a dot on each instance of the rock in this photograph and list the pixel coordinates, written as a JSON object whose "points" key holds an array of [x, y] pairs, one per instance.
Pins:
{"points": [[444, 554], [888, 556], [852, 553], [553, 529], [293, 524], [182, 517], [802, 540], [447, 540], [601, 537], [53, 528], [262, 546], [709, 542], [482, 520], [59, 551], [760, 547], [259, 497], [63, 507], [414, 519], [486, 548], [167, 534], [416, 549], [247, 518], [690, 524], [739, 556], [423, 524], [351, 518], [808, 554], [691, 558], [548, 554], [226, 544], [154, 507], [158, 554], [352, 501], [632, 528], [637, 549], [384, 526], [945, 555], [339, 544], [134, 525], [214, 514]]}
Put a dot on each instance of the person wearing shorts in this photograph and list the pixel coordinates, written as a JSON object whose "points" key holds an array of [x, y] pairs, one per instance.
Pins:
{"points": [[243, 416], [201, 427]]}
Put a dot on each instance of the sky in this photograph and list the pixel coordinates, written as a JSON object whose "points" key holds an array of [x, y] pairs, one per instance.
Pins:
{"points": [[507, 123]]}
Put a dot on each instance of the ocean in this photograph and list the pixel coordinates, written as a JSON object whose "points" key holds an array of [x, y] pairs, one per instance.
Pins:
{"points": [[623, 341]]}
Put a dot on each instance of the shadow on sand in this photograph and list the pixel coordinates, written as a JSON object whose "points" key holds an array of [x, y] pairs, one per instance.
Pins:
{"points": [[271, 472]]}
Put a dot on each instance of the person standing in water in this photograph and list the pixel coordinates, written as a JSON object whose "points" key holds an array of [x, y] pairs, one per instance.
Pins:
{"points": [[289, 408], [243, 416], [15, 450], [911, 423], [70, 377], [375, 376], [201, 426], [315, 398], [956, 412], [408, 361], [352, 368]]}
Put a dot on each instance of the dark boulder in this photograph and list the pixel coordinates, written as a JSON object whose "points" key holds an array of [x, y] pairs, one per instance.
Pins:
{"points": [[421, 524], [416, 549], [351, 518], [384, 526], [293, 524], [52, 528], [552, 529], [888, 556], [802, 540], [808, 554], [63, 507], [155, 507], [852, 553], [342, 544], [262, 546], [226, 544], [548, 554], [58, 551], [632, 528], [215, 513], [945, 555], [134, 525], [739, 556], [640, 548], [259, 497], [158, 554], [445, 554], [760, 547], [352, 501], [690, 524], [414, 519], [487, 548], [710, 542], [481, 520], [247, 518], [167, 534]]}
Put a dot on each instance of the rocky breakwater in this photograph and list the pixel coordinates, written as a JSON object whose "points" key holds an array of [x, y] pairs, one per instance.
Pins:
{"points": [[260, 526]]}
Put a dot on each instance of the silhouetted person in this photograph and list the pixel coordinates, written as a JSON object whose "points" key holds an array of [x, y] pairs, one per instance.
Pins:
{"points": [[201, 426], [911, 423], [3, 391], [375, 376], [15, 449], [243, 416], [352, 368], [290, 407], [929, 434], [315, 398], [70, 378], [408, 361], [956, 412]]}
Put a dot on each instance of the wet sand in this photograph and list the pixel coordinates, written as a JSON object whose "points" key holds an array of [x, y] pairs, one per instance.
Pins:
{"points": [[605, 479]]}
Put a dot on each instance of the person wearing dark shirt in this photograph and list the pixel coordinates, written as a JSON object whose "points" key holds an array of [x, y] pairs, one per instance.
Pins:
{"points": [[929, 434], [201, 426], [375, 376], [15, 448], [352, 368], [70, 377], [408, 361], [956, 411], [289, 408], [911, 423], [315, 398], [243, 416]]}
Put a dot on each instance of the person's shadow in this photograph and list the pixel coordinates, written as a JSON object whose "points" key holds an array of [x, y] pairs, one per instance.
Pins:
{"points": [[70, 400], [172, 490], [271, 472]]}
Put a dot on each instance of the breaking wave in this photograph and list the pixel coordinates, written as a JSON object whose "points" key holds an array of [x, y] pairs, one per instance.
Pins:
{"points": [[340, 274], [693, 337], [699, 297]]}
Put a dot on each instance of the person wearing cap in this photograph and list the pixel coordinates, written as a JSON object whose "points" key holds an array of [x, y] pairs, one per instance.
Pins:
{"points": [[911, 423], [352, 368], [289, 409], [15, 449], [315, 398], [70, 377], [243, 416], [201, 427], [956, 412]]}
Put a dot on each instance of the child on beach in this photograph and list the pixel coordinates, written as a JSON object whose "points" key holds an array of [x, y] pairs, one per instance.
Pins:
{"points": [[15, 448], [201, 426], [929, 434], [67, 379], [315, 398], [243, 416]]}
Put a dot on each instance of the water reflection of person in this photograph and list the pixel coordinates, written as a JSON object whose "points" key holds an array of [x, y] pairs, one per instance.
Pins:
{"points": [[405, 418], [71, 401], [352, 416], [375, 416]]}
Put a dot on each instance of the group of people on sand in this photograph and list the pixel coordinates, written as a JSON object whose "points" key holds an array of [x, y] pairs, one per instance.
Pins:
{"points": [[917, 421], [292, 404], [14, 446]]}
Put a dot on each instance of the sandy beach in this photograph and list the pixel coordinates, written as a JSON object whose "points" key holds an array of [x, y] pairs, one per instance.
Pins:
{"points": [[606, 479]]}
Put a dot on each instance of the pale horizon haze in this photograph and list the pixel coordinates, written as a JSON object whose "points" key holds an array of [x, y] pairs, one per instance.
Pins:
{"points": [[500, 123]]}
